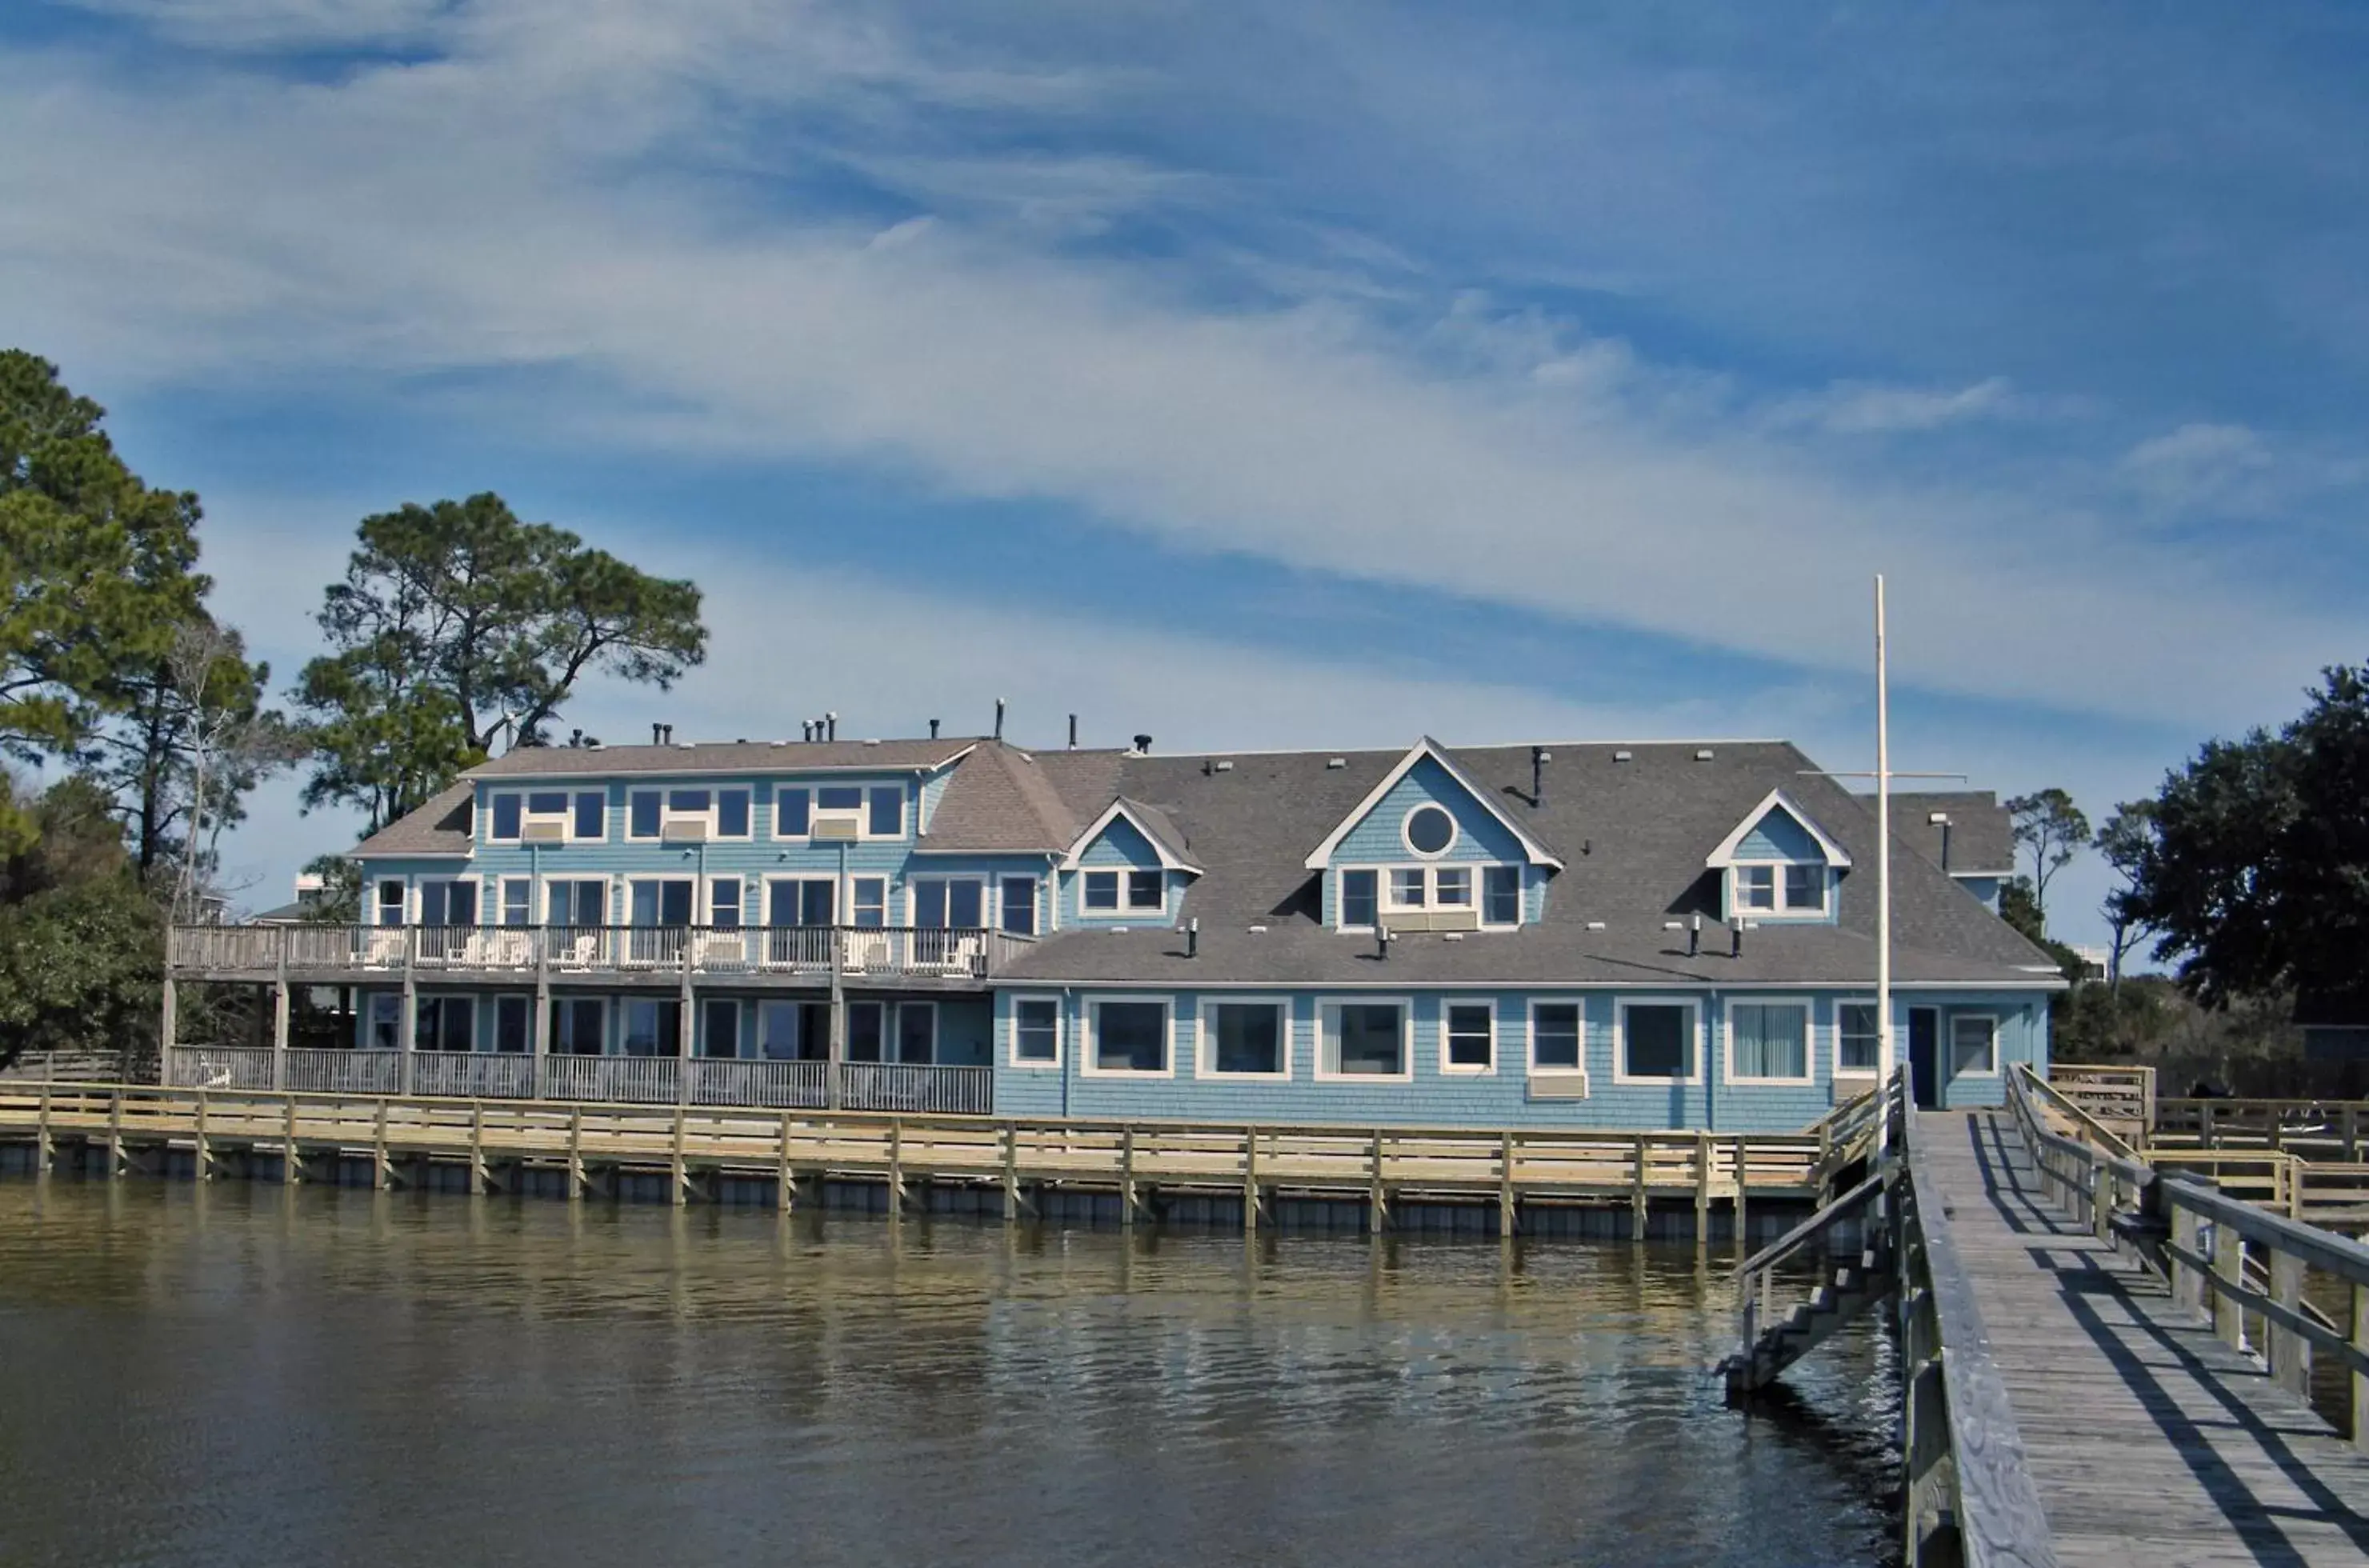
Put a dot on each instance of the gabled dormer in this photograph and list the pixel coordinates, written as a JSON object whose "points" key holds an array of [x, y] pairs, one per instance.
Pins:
{"points": [[1129, 866], [1778, 864], [1428, 849]]}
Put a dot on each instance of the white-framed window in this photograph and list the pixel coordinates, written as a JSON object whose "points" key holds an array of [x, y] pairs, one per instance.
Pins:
{"points": [[868, 900], [577, 901], [1016, 904], [1428, 831], [1769, 1040], [948, 903], [1245, 1036], [688, 811], [799, 902], [385, 1026], [1124, 892], [517, 901], [1974, 1045], [884, 811], [1410, 887], [445, 1024], [591, 821], [513, 1024], [1558, 1037], [1037, 1032], [579, 1026], [448, 900], [1468, 1037], [917, 1032], [391, 901], [844, 808], [1656, 1041], [793, 811], [1780, 887], [1859, 1047], [1365, 1040], [652, 1028], [1360, 899], [1423, 887], [719, 1027], [723, 896], [1127, 1036], [546, 817], [867, 1030], [793, 1031], [1501, 894]]}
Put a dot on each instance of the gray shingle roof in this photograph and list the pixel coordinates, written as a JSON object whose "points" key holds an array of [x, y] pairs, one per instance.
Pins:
{"points": [[999, 801], [440, 827], [1981, 837], [724, 757], [1162, 832]]}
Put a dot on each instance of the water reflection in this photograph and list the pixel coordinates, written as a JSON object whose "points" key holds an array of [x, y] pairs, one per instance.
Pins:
{"points": [[200, 1375]]}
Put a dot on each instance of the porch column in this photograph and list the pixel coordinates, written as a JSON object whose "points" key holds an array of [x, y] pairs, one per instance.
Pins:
{"points": [[539, 1030], [690, 1028], [168, 1031], [280, 1009], [407, 1032]]}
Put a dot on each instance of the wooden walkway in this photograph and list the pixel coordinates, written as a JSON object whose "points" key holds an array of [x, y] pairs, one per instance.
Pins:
{"points": [[2151, 1442]]}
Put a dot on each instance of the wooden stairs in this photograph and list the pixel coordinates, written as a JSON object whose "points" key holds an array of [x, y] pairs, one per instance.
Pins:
{"points": [[1861, 1275]]}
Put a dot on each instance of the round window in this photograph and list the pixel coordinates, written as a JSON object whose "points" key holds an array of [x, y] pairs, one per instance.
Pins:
{"points": [[1430, 830]]}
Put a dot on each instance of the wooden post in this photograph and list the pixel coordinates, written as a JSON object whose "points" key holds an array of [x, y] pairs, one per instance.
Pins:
{"points": [[1826, 1160], [1743, 1168], [1702, 1190], [291, 1167], [2290, 1352], [679, 1177], [2204, 1126], [1637, 1194], [2351, 1133], [115, 1135], [1127, 1175], [896, 1165], [1509, 1216], [1250, 1180], [540, 1044], [690, 1029], [410, 1028], [381, 1173], [1378, 1200], [168, 1029], [1011, 1135], [2229, 1265], [786, 1181], [2102, 1187], [476, 1146], [2187, 1287], [280, 1024], [41, 1133], [2360, 1383], [205, 1149], [576, 1153]]}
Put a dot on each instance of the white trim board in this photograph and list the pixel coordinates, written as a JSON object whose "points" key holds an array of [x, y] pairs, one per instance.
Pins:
{"points": [[1071, 858], [1724, 856], [1322, 856]]}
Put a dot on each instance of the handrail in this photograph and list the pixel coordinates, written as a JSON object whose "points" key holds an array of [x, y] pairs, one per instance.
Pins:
{"points": [[1793, 1240], [2113, 1142]]}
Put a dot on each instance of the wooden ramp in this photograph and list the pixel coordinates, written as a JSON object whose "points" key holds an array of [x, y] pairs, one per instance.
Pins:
{"points": [[2150, 1441]]}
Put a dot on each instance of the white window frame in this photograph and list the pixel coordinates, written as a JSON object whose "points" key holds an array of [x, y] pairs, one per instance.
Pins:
{"points": [[502, 885], [1449, 1069], [1061, 1034], [1778, 908], [415, 913], [913, 894], [848, 907], [608, 898], [715, 814], [1090, 1036], [1328, 1012], [1036, 900], [439, 999], [1406, 833], [1621, 1007], [1481, 894], [566, 817], [1560, 1075], [378, 886], [1386, 896], [1205, 1038], [707, 896], [1125, 909], [1809, 1041], [773, 813], [1868, 1075], [904, 813], [1951, 1042], [1341, 897]]}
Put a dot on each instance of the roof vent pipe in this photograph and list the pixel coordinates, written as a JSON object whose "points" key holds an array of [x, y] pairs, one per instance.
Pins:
{"points": [[1694, 936], [1193, 938], [1735, 938], [1073, 732], [1539, 758], [999, 718], [1144, 744], [934, 729], [832, 719], [657, 735], [1381, 941]]}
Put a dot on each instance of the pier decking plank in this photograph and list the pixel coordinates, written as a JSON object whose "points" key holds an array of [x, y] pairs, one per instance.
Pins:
{"points": [[2151, 1442]]}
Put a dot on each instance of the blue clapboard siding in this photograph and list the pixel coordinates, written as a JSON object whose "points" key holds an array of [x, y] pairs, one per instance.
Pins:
{"points": [[1777, 836], [1120, 846], [1377, 839]]}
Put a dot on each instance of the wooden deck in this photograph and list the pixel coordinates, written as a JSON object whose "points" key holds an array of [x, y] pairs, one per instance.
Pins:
{"points": [[2150, 1441]]}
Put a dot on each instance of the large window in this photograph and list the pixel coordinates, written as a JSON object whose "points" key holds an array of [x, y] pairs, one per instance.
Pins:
{"points": [[1359, 900], [885, 812], [1365, 1040], [1445, 887], [1858, 1047], [546, 816], [1974, 1045], [591, 823], [1797, 888], [719, 1028], [517, 901], [794, 1031], [917, 1032], [1555, 1036], [1018, 897], [840, 808], [584, 902], [390, 902], [1657, 1042], [1501, 896], [385, 1022], [792, 813], [1124, 892], [732, 814], [867, 1028], [1129, 1036], [578, 1026], [653, 1027], [446, 1024], [659, 903], [949, 903], [798, 902], [1469, 1030], [1768, 1042], [513, 1024], [1244, 1039], [1037, 1032], [449, 902]]}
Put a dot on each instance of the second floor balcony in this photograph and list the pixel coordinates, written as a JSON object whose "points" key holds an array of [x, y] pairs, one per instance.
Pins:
{"points": [[659, 953]]}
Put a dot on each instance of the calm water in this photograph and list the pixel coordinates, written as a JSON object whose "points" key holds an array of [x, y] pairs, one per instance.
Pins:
{"points": [[243, 1374]]}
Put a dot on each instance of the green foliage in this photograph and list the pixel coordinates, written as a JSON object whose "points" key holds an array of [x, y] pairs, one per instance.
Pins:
{"points": [[2051, 830], [81, 943], [341, 890], [2020, 909], [457, 622], [2256, 876], [2124, 843]]}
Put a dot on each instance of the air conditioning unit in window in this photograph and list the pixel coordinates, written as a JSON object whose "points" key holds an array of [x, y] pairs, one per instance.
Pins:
{"points": [[543, 833], [684, 831]]}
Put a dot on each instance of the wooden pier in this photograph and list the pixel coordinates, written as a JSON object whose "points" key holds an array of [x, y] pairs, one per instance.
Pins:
{"points": [[1016, 1166]]}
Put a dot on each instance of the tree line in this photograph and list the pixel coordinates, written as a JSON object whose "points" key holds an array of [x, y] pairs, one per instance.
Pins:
{"points": [[134, 724]]}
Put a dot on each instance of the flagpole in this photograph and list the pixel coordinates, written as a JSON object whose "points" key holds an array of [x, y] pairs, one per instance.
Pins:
{"points": [[1884, 1057]]}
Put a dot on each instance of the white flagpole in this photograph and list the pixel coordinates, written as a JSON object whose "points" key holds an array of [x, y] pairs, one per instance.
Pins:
{"points": [[1883, 870]]}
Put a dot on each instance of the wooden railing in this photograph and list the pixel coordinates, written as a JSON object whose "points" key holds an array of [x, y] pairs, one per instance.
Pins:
{"points": [[2122, 1097], [264, 952], [2221, 1253]]}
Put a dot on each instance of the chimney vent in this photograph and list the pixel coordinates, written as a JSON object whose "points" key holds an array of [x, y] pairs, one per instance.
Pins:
{"points": [[1144, 744], [1193, 938], [832, 719], [999, 718], [1735, 938], [657, 735], [1073, 732], [1539, 758], [1381, 941], [1694, 937], [934, 729]]}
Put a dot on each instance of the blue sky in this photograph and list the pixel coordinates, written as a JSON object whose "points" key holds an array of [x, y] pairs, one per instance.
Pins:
{"points": [[1253, 375]]}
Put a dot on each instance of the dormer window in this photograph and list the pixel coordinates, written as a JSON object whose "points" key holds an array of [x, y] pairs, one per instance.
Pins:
{"points": [[1789, 888], [1429, 830], [1129, 892], [1779, 864]]}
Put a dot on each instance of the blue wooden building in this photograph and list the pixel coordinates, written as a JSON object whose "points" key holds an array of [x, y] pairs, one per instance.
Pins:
{"points": [[1642, 935]]}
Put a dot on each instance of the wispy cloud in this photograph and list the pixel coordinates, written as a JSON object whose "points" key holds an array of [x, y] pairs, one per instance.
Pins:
{"points": [[1861, 408]]}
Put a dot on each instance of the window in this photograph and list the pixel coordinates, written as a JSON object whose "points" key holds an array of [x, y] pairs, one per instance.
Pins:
{"points": [[1430, 887], [1471, 1030], [886, 805], [518, 895], [1769, 1041], [1036, 1032], [591, 816], [446, 1024], [732, 814], [942, 903], [1554, 1036], [866, 1029], [582, 903], [1858, 1046], [722, 1028], [642, 812], [840, 807], [871, 900], [452, 902], [724, 903], [1129, 1036], [1795, 887], [917, 1032], [1657, 1042], [653, 1027], [1365, 1039], [1974, 1045], [660, 903], [1451, 886], [793, 814], [1430, 830], [1501, 894], [1101, 890], [385, 1022], [1018, 900], [1146, 890], [577, 1027], [1410, 885], [1805, 888], [1243, 1039], [1357, 900], [513, 1024], [505, 826], [688, 802], [546, 817], [1755, 886], [390, 902], [797, 903], [794, 1031]]}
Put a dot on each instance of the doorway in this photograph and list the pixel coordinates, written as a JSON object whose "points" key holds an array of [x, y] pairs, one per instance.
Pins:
{"points": [[1925, 1057]]}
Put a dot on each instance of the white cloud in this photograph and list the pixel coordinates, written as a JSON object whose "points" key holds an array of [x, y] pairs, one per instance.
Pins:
{"points": [[541, 195], [1861, 409]]}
